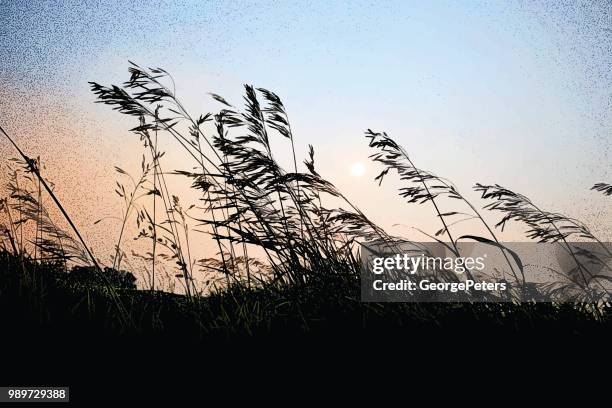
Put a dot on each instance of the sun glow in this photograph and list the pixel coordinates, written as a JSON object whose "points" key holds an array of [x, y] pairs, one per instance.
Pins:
{"points": [[358, 169]]}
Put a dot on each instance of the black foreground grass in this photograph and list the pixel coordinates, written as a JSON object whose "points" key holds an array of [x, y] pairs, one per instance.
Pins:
{"points": [[44, 297], [63, 330]]}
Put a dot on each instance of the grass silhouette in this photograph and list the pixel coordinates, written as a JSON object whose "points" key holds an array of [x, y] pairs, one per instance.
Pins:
{"points": [[288, 241]]}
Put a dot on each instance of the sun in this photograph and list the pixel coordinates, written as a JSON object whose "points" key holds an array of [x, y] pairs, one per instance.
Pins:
{"points": [[358, 169]]}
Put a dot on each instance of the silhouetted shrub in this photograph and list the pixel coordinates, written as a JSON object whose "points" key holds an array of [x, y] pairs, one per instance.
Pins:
{"points": [[88, 276]]}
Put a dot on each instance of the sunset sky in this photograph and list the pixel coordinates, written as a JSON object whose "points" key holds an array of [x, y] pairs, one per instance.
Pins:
{"points": [[515, 93]]}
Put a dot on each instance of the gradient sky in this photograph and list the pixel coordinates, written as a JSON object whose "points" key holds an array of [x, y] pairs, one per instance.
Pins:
{"points": [[515, 93]]}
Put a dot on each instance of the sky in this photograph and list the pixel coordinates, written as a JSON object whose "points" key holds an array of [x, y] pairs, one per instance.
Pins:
{"points": [[515, 93]]}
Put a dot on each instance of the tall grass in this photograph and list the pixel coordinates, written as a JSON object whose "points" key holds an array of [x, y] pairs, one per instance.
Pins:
{"points": [[274, 229], [603, 187], [545, 226], [248, 199], [425, 187], [24, 198]]}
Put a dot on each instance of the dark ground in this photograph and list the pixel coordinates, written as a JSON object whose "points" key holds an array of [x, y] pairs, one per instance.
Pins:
{"points": [[311, 340]]}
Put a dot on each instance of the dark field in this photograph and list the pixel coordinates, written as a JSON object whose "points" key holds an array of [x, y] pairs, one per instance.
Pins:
{"points": [[69, 319]]}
